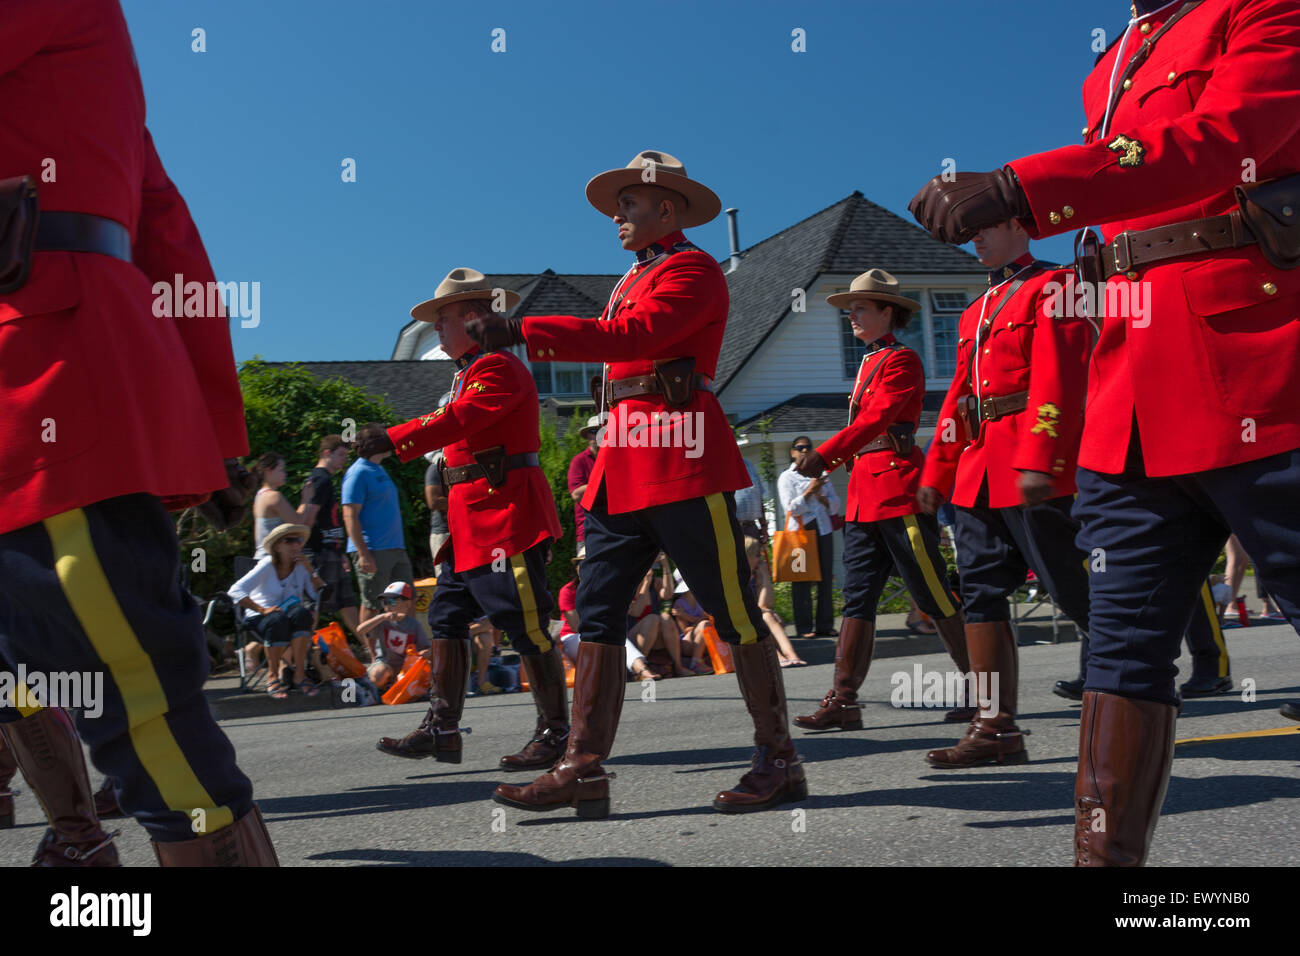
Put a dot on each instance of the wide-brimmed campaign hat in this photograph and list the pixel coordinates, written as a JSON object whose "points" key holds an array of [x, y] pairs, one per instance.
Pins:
{"points": [[282, 531], [459, 285], [653, 167], [875, 284]]}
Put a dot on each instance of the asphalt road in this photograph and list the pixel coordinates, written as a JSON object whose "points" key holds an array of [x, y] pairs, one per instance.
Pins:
{"points": [[331, 799]]}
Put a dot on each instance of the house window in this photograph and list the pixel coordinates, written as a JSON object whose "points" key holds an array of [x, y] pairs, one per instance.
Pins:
{"points": [[946, 307], [564, 379]]}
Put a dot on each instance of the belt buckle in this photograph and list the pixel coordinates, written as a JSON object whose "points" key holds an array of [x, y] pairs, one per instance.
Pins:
{"points": [[1122, 242], [988, 409]]}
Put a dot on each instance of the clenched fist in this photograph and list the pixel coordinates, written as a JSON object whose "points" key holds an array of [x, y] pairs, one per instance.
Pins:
{"points": [[953, 211], [495, 331]]}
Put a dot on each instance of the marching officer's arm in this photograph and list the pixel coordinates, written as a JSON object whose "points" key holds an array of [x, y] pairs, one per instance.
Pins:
{"points": [[684, 299], [492, 389], [26, 26], [167, 243], [1254, 82], [940, 471], [889, 394], [1048, 441]]}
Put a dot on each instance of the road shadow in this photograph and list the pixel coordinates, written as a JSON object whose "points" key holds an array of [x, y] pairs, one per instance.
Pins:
{"points": [[363, 801], [368, 857]]}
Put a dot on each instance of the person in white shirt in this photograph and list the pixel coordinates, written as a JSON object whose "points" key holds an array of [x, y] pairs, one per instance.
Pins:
{"points": [[812, 500], [274, 598]]}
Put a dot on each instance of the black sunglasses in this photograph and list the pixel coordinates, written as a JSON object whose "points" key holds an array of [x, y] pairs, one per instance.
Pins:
{"points": [[802, 447]]}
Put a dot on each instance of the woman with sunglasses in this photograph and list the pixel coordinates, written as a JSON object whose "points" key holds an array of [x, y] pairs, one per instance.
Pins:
{"points": [[274, 598]]}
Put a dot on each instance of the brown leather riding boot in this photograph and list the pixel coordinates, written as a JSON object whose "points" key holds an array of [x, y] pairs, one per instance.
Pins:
{"points": [[46, 747], [952, 632], [1126, 751], [244, 843], [106, 805], [776, 775], [993, 739], [839, 708], [439, 733], [578, 780], [8, 767], [546, 681]]}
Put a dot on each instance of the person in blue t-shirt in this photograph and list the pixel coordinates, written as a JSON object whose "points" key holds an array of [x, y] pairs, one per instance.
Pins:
{"points": [[373, 520]]}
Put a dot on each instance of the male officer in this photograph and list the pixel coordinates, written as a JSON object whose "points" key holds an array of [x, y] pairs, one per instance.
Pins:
{"points": [[1007, 436], [1193, 423], [502, 519], [114, 399], [882, 530], [662, 481]]}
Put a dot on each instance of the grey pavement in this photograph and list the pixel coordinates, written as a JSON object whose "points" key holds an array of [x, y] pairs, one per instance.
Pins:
{"points": [[331, 799]]}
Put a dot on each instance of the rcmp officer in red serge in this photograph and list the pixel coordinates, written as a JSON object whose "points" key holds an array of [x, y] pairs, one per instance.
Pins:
{"points": [[1193, 424], [882, 528], [662, 481], [1008, 435], [113, 413], [502, 519]]}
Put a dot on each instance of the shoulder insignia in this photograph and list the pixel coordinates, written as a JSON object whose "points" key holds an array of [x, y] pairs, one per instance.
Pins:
{"points": [[1131, 150], [1049, 416], [478, 386]]}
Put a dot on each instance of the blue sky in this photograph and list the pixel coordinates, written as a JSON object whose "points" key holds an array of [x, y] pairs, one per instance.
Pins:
{"points": [[469, 157]]}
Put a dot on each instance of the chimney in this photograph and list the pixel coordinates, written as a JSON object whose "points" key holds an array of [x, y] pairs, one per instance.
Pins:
{"points": [[734, 263]]}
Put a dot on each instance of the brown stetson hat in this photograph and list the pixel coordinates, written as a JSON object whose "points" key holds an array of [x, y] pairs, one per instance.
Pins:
{"points": [[877, 285], [459, 285], [653, 167]]}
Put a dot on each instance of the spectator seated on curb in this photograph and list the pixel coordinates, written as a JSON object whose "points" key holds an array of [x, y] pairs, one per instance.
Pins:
{"points": [[760, 580], [275, 600], [649, 623], [689, 622], [391, 632]]}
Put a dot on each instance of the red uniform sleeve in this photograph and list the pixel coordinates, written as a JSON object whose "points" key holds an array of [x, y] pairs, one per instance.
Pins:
{"points": [[1248, 109], [940, 471], [682, 301], [890, 394], [167, 243], [26, 26], [1058, 381], [492, 389]]}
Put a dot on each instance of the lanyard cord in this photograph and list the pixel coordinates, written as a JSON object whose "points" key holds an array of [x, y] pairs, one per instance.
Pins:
{"points": [[979, 327]]}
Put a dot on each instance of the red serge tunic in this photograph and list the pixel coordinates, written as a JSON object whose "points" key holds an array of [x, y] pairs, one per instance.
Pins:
{"points": [[671, 308], [494, 402], [1024, 349], [889, 389], [1209, 367], [103, 396]]}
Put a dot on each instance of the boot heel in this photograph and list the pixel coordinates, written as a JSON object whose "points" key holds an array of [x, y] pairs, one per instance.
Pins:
{"points": [[798, 792], [852, 724], [6, 821], [593, 809], [1020, 756], [447, 756]]}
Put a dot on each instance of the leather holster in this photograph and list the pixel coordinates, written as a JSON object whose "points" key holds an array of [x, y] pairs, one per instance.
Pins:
{"points": [[1271, 211], [493, 463], [18, 215], [676, 378]]}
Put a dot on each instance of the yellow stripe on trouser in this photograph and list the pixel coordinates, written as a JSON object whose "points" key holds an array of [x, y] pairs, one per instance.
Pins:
{"points": [[1207, 605], [93, 602], [529, 604], [26, 709], [729, 569], [937, 590]]}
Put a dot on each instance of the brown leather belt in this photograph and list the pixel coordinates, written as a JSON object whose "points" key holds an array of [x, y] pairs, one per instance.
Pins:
{"points": [[899, 438], [1129, 250], [58, 231], [618, 389], [993, 407], [464, 473]]}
